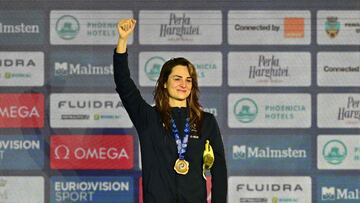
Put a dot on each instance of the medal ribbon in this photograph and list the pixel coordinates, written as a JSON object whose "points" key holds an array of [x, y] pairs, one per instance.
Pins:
{"points": [[181, 145]]}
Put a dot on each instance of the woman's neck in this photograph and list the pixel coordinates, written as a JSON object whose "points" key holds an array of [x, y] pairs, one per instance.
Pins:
{"points": [[177, 103]]}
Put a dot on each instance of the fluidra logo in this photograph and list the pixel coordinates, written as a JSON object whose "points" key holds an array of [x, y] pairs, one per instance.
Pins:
{"points": [[245, 152], [65, 68], [333, 193], [7, 63], [179, 26], [89, 104], [269, 187]]}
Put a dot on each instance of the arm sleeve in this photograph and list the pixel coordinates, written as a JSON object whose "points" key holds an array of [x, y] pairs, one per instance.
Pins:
{"points": [[218, 170], [130, 95]]}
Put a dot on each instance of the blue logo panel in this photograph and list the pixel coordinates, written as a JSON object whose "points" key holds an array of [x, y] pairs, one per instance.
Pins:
{"points": [[21, 152], [344, 189], [22, 27], [81, 69], [269, 152], [83, 189]]}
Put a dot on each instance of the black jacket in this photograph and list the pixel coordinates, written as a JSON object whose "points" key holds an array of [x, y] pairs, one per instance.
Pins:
{"points": [[161, 184]]}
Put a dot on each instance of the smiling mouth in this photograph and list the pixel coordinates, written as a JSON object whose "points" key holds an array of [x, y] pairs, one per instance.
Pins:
{"points": [[182, 91]]}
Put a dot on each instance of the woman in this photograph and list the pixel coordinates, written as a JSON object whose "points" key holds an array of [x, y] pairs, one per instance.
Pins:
{"points": [[173, 133]]}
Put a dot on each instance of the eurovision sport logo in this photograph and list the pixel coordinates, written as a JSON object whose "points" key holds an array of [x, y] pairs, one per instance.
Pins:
{"points": [[104, 189], [92, 152], [21, 152], [21, 110]]}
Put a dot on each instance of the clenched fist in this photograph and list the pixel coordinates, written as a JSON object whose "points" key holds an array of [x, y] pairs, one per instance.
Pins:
{"points": [[126, 27]]}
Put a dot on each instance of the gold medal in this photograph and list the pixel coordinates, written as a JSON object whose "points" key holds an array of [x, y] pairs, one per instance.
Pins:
{"points": [[208, 156], [181, 166]]}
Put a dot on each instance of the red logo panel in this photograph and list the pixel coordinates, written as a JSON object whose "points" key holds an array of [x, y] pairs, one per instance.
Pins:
{"points": [[92, 152], [21, 110]]}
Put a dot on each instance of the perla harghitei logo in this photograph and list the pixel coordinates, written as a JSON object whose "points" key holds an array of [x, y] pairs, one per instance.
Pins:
{"points": [[334, 152], [268, 69], [333, 193], [332, 26], [67, 27], [245, 110], [179, 26], [153, 67], [350, 113]]}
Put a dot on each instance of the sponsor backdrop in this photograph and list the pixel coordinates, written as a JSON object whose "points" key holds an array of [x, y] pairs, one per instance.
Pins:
{"points": [[282, 78]]}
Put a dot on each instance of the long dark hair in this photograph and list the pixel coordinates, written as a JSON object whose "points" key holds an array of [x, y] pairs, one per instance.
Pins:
{"points": [[161, 95]]}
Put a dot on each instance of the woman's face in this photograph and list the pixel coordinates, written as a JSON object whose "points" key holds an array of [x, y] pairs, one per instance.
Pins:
{"points": [[179, 86]]}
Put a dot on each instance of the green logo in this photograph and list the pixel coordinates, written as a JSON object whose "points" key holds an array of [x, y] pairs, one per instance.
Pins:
{"points": [[334, 152], [332, 27], [275, 200], [7, 75], [245, 110], [67, 27], [357, 153], [153, 67], [96, 117]]}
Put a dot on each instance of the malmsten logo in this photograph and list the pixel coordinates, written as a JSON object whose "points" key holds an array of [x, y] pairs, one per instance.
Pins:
{"points": [[21, 110], [92, 152]]}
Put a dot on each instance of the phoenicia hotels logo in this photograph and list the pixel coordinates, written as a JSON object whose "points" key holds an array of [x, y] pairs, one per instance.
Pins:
{"points": [[67, 27], [334, 152], [245, 110], [153, 67], [332, 26]]}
